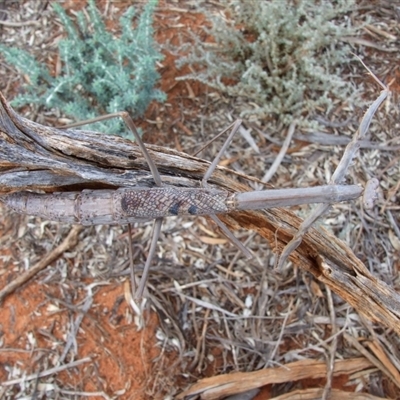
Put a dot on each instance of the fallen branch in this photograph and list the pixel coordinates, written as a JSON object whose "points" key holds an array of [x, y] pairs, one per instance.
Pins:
{"points": [[36, 157], [69, 242], [221, 386]]}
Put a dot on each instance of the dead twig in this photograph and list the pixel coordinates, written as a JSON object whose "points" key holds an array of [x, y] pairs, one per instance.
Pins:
{"points": [[69, 242], [333, 347], [386, 368], [50, 371], [221, 386]]}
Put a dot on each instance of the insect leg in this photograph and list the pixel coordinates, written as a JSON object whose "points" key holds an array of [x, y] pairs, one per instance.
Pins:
{"points": [[158, 222], [130, 124], [235, 126], [157, 179], [211, 168], [153, 244], [213, 139], [231, 236], [350, 151], [131, 265]]}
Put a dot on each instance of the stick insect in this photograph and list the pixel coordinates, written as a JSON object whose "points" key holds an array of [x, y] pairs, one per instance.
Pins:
{"points": [[139, 204]]}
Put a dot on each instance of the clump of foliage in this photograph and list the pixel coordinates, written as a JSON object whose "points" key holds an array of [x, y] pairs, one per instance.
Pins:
{"points": [[100, 73], [282, 57]]}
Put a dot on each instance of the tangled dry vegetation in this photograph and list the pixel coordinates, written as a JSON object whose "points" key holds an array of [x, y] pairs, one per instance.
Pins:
{"points": [[241, 325]]}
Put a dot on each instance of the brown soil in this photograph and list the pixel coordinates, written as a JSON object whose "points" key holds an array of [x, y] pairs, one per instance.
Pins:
{"points": [[123, 358], [125, 362], [120, 355]]}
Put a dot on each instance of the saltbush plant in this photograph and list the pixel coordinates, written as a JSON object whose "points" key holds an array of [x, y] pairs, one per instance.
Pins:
{"points": [[100, 73], [283, 58]]}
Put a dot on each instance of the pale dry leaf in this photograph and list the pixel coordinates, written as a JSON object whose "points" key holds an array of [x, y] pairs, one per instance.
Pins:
{"points": [[394, 240]]}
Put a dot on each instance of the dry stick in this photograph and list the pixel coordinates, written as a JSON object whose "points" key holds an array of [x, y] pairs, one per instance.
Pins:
{"points": [[374, 360], [337, 177], [393, 223], [202, 341], [76, 394], [48, 372], [383, 356], [16, 24], [221, 386], [336, 394], [331, 357], [71, 340], [70, 241], [230, 342]]}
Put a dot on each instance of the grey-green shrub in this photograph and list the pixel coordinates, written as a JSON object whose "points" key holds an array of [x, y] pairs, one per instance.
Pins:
{"points": [[100, 73], [285, 57]]}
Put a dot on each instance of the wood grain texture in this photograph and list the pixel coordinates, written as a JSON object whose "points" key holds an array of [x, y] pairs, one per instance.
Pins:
{"points": [[36, 157], [222, 386]]}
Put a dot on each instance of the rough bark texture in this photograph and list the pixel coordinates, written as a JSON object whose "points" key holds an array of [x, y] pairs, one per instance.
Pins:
{"points": [[35, 157]]}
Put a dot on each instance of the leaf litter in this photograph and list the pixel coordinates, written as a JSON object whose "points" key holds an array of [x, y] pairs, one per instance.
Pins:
{"points": [[213, 312]]}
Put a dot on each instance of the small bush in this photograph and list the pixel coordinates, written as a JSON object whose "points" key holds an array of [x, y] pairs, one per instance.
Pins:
{"points": [[100, 74], [284, 57]]}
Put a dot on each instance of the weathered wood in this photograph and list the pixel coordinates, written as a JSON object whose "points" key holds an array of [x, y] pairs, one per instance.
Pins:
{"points": [[36, 157], [86, 159]]}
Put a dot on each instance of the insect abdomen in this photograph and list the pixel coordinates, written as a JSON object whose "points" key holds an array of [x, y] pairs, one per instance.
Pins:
{"points": [[56, 207], [109, 207], [90, 207]]}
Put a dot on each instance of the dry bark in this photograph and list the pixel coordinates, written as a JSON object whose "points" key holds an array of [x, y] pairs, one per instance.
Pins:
{"points": [[221, 386], [36, 157]]}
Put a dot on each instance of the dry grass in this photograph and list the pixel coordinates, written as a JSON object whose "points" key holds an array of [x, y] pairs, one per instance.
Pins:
{"points": [[217, 310]]}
